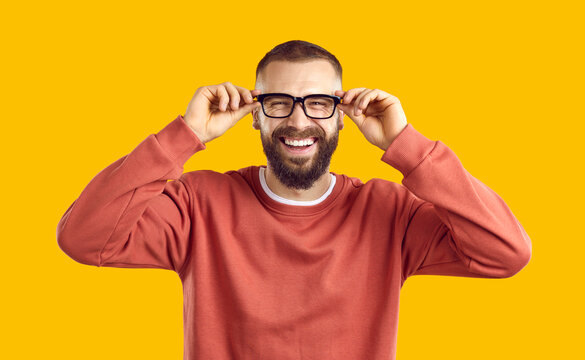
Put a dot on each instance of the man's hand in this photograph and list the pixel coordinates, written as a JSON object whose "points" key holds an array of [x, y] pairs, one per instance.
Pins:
{"points": [[216, 108], [378, 115]]}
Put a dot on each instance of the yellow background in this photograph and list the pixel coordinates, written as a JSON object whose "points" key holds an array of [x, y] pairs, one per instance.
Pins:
{"points": [[83, 83]]}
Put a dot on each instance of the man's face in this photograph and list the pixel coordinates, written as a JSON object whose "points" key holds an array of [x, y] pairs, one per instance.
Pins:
{"points": [[298, 166]]}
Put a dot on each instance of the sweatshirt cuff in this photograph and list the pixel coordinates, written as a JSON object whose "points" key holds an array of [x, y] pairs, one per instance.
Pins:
{"points": [[408, 150], [179, 140]]}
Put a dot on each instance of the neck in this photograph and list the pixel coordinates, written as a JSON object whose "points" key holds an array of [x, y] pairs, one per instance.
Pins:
{"points": [[319, 187]]}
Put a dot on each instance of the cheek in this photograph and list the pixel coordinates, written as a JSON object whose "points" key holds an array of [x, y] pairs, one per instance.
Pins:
{"points": [[268, 126], [265, 128], [332, 125], [330, 129]]}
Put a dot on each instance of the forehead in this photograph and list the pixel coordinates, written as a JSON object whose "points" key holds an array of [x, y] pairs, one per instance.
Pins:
{"points": [[299, 78]]}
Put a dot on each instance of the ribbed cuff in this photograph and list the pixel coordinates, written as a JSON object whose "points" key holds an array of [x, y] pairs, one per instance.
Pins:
{"points": [[179, 140], [408, 150]]}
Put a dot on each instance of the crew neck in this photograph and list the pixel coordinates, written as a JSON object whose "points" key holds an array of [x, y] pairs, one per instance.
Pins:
{"points": [[282, 200]]}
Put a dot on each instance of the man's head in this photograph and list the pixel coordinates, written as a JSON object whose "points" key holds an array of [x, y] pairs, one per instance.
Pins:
{"points": [[298, 68]]}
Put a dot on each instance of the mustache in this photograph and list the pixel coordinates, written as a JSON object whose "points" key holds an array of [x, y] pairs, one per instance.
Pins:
{"points": [[290, 131]]}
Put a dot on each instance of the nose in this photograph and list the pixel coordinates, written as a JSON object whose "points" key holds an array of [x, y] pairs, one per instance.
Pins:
{"points": [[298, 119]]}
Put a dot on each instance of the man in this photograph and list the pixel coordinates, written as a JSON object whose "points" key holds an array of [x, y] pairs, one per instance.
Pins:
{"points": [[292, 261]]}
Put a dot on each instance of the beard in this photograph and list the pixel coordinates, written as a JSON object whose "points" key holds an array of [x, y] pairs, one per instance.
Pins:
{"points": [[304, 170]]}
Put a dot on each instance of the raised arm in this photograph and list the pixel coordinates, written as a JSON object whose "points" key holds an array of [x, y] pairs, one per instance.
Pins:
{"points": [[456, 225], [130, 215]]}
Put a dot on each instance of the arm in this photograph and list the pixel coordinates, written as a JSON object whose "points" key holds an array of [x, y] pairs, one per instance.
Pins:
{"points": [[130, 215], [456, 225]]}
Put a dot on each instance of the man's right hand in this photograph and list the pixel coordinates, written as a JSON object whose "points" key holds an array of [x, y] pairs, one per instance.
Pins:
{"points": [[216, 108]]}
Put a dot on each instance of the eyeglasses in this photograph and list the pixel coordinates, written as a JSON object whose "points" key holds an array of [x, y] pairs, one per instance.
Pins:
{"points": [[315, 106]]}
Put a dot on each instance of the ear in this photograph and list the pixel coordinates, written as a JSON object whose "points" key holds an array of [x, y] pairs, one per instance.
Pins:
{"points": [[255, 120], [340, 120]]}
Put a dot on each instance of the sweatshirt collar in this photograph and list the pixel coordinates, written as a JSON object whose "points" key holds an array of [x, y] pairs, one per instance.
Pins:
{"points": [[253, 174], [280, 199]]}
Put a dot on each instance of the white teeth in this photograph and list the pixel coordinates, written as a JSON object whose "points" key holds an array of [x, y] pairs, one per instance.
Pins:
{"points": [[305, 142]]}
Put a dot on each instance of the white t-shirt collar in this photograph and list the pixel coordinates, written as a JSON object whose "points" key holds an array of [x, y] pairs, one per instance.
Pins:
{"points": [[280, 199]]}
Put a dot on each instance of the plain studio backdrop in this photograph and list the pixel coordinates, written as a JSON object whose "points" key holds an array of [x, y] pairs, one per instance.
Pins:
{"points": [[499, 82]]}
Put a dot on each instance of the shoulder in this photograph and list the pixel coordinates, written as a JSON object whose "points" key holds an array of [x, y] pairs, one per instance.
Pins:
{"points": [[356, 184], [210, 179], [377, 191]]}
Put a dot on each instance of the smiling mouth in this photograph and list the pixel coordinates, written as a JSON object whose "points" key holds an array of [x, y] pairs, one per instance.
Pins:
{"points": [[298, 143]]}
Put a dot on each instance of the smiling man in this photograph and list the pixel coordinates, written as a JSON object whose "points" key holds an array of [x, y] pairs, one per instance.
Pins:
{"points": [[299, 136], [291, 260]]}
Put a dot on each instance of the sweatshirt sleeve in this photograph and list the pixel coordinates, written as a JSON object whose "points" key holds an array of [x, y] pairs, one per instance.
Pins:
{"points": [[457, 226], [130, 215]]}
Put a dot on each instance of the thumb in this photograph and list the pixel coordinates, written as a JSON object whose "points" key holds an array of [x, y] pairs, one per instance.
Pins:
{"points": [[244, 110], [348, 110]]}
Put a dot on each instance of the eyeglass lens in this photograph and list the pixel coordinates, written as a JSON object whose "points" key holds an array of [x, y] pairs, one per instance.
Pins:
{"points": [[315, 106]]}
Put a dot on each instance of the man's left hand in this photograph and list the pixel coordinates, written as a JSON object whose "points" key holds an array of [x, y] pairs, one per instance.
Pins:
{"points": [[377, 114]]}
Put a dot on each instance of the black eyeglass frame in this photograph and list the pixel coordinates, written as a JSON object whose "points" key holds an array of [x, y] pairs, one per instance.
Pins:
{"points": [[301, 99]]}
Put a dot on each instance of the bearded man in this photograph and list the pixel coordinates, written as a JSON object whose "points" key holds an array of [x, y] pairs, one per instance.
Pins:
{"points": [[291, 260]]}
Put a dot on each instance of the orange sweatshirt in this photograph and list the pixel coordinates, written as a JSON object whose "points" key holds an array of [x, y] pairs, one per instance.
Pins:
{"points": [[267, 280]]}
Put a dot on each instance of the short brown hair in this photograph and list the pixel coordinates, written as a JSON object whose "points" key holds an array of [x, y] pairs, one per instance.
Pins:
{"points": [[297, 51]]}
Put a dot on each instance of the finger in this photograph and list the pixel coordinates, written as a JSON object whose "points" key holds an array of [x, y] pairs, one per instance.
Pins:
{"points": [[369, 97], [244, 110], [351, 93], [234, 95], [245, 95], [357, 119], [222, 96], [256, 92], [346, 108], [357, 109], [339, 93]]}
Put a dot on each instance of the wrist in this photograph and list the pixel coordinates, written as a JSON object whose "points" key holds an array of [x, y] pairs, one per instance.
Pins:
{"points": [[197, 133]]}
